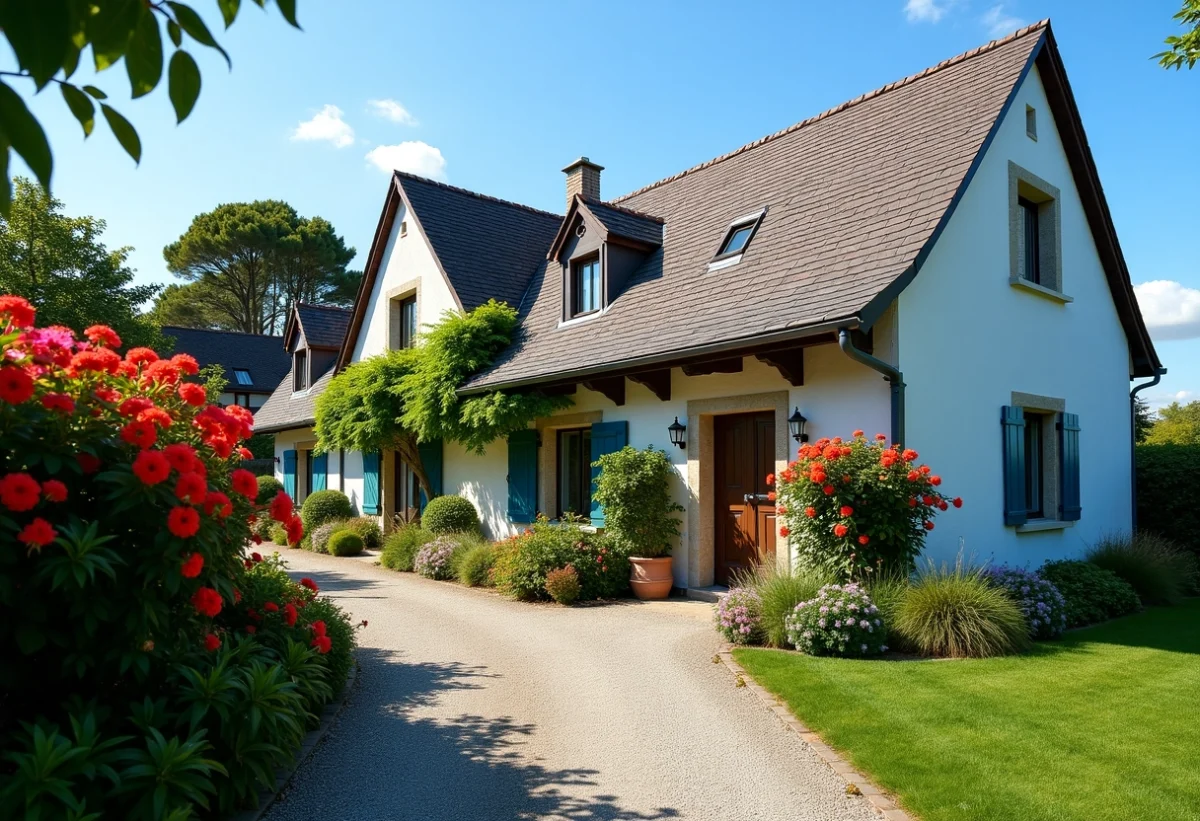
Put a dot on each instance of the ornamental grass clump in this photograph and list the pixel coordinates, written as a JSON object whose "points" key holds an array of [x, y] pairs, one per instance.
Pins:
{"points": [[841, 621], [739, 616], [781, 592], [436, 559], [401, 546], [1159, 570], [1044, 608], [474, 566], [858, 507]]}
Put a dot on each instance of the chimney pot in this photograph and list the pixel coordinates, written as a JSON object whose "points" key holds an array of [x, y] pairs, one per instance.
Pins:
{"points": [[583, 178]]}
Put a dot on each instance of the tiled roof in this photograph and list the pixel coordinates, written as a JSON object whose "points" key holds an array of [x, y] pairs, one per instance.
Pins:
{"points": [[284, 409], [324, 325], [488, 248], [263, 356], [626, 222], [852, 196]]}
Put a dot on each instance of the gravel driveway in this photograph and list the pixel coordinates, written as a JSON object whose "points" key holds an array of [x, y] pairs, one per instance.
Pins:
{"points": [[470, 706]]}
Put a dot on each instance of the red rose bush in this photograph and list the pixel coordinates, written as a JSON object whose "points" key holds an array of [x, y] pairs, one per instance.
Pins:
{"points": [[858, 507], [124, 515]]}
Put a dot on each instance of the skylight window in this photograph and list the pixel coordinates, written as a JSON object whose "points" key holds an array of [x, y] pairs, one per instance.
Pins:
{"points": [[737, 238], [242, 376]]}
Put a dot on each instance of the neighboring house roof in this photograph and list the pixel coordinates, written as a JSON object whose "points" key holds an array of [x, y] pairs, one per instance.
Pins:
{"points": [[855, 198], [263, 357], [323, 326], [487, 248], [285, 410]]}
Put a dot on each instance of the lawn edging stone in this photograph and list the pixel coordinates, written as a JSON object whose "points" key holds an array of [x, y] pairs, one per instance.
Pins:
{"points": [[880, 801]]}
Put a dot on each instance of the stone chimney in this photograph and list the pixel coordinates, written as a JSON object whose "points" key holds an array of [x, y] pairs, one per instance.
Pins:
{"points": [[583, 178]]}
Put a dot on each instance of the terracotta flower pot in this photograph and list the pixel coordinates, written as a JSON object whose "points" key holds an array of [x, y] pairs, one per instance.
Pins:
{"points": [[650, 578]]}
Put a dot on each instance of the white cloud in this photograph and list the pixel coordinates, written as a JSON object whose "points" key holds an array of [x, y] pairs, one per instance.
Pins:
{"points": [[326, 125], [412, 156], [925, 11], [1158, 401], [1171, 310], [391, 110], [998, 22]]}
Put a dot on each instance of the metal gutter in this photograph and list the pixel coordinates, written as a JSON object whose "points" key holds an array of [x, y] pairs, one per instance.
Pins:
{"points": [[1158, 375], [892, 375]]}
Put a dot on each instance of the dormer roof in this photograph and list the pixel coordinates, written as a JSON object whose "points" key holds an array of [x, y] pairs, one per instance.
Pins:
{"points": [[615, 224]]}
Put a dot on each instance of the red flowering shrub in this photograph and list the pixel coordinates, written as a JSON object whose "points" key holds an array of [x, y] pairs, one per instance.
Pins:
{"points": [[858, 507], [123, 520]]}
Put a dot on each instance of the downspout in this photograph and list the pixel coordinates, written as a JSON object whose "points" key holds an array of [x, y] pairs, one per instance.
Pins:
{"points": [[1158, 375], [892, 375], [342, 469]]}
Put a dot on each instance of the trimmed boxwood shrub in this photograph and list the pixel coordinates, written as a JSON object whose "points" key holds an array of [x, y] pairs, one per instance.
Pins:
{"points": [[318, 539], [1167, 478], [1093, 594], [450, 514], [367, 528], [323, 506], [344, 543], [268, 487]]}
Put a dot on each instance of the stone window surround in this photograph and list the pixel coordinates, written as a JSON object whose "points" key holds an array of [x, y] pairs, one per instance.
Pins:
{"points": [[547, 428], [395, 321], [1025, 184], [701, 519], [1047, 409]]}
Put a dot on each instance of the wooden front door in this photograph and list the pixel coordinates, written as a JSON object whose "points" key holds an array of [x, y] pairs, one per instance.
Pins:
{"points": [[745, 526]]}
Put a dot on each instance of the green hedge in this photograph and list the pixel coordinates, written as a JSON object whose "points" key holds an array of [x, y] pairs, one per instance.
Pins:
{"points": [[1168, 492]]}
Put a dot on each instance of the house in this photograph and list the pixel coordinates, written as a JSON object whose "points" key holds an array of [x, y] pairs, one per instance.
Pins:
{"points": [[253, 363], [934, 260]]}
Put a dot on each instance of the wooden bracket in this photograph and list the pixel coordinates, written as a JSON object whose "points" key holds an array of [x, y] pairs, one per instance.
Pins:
{"points": [[611, 386], [789, 362], [658, 382]]}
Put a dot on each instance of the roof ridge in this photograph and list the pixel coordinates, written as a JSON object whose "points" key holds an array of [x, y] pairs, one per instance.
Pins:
{"points": [[477, 195], [870, 95], [218, 331], [324, 307], [624, 210]]}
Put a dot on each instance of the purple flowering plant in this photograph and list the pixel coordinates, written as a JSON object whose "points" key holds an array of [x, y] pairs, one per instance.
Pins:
{"points": [[433, 560], [841, 621], [739, 616], [1041, 603]]}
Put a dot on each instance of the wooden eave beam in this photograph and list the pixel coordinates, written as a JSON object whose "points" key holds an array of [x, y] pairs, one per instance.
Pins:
{"points": [[733, 365], [788, 361], [612, 387], [657, 382]]}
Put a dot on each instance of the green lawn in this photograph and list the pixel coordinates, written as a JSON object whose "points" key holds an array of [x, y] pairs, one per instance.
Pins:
{"points": [[1103, 725]]}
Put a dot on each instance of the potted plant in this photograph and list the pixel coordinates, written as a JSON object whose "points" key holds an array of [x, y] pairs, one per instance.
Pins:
{"points": [[634, 491]]}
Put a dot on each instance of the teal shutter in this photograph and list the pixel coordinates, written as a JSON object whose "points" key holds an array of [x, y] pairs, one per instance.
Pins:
{"points": [[522, 475], [370, 501], [607, 437], [1012, 423], [289, 473], [431, 460], [320, 467], [1068, 448]]}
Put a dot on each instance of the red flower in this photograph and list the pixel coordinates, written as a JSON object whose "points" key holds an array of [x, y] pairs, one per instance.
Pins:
{"points": [[37, 534], [781, 510], [863, 539], [88, 462], [271, 607], [928, 500], [323, 644], [912, 502], [142, 434], [16, 386], [831, 452], [282, 507], [218, 501], [152, 467], [245, 453], [183, 522], [156, 415], [909, 455], [162, 372], [182, 456], [245, 483], [783, 531], [192, 393], [207, 601], [846, 510], [105, 395], [311, 585], [828, 490], [20, 312], [193, 563], [211, 642], [771, 496], [191, 487], [250, 628], [19, 492], [770, 478], [101, 360], [134, 405], [858, 433], [257, 557], [879, 437], [957, 501], [186, 363], [924, 469], [935, 480], [289, 614], [913, 476], [237, 596], [295, 530], [810, 512], [318, 628], [888, 458], [102, 335], [54, 490], [58, 402], [817, 476], [140, 356], [942, 505], [840, 530], [929, 525]]}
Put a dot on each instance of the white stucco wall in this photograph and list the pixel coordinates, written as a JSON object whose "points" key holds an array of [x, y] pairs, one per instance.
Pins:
{"points": [[346, 478], [968, 339]]}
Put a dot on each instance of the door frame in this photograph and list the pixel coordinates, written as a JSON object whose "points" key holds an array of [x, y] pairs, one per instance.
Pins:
{"points": [[701, 450]]}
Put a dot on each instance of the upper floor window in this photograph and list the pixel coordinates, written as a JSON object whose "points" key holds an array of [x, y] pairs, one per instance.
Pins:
{"points": [[1031, 258], [1035, 234], [300, 370], [585, 286], [242, 399], [408, 322], [242, 376]]}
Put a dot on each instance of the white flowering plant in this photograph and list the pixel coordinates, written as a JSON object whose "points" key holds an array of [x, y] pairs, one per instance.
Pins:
{"points": [[434, 560], [841, 621], [739, 616]]}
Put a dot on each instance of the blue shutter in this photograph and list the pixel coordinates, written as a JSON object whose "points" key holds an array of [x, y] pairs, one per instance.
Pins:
{"points": [[370, 501], [607, 437], [522, 475], [1068, 448], [1012, 423], [431, 461], [289, 473], [320, 467]]}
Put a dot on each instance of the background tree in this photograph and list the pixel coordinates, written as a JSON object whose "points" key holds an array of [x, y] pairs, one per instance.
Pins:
{"points": [[1176, 425], [247, 263], [59, 264], [1183, 49], [188, 306], [1143, 419], [49, 37]]}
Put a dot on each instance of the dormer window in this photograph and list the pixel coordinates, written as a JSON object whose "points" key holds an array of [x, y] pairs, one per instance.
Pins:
{"points": [[242, 376], [585, 285], [300, 370], [737, 237]]}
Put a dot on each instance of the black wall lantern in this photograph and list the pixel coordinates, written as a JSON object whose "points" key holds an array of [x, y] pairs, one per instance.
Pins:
{"points": [[677, 432], [796, 424]]}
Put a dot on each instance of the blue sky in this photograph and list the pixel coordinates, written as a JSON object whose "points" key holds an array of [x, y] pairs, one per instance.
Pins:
{"points": [[497, 97]]}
